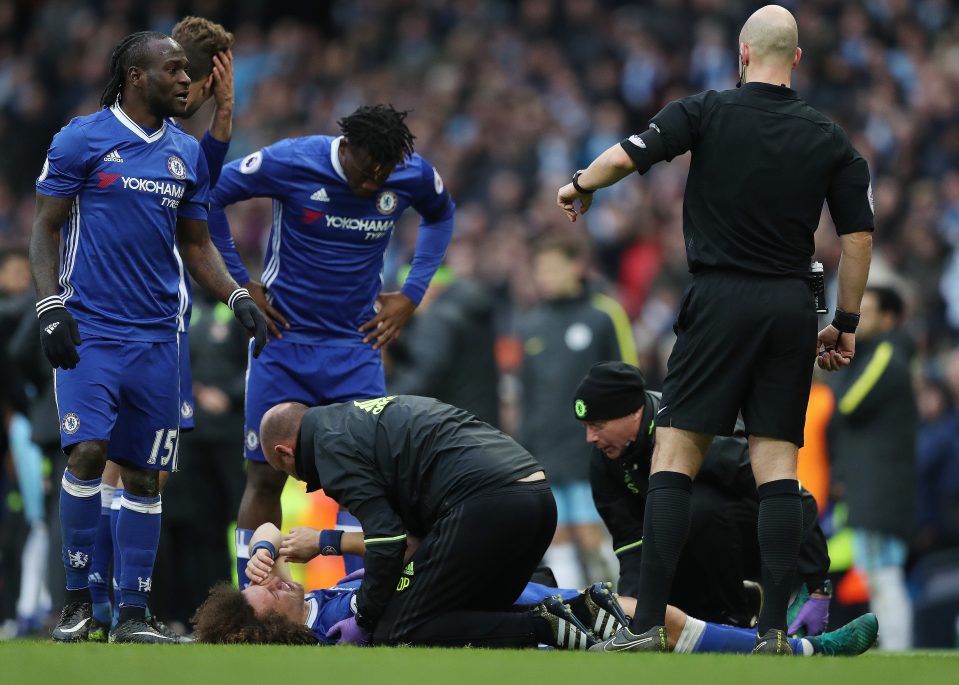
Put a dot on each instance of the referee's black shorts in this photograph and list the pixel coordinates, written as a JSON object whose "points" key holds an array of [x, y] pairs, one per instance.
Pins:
{"points": [[745, 343]]}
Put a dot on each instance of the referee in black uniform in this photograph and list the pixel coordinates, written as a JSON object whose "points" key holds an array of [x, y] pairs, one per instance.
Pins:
{"points": [[478, 503], [763, 163]]}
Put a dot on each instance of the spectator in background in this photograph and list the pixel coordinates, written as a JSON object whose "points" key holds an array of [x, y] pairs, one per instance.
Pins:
{"points": [[938, 461], [574, 327], [873, 447], [447, 350]]}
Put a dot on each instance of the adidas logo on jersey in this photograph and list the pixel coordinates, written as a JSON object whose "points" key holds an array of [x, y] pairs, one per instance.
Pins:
{"points": [[320, 195], [114, 157]]}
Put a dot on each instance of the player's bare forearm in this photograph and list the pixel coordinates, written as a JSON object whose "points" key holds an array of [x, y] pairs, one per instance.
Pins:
{"points": [[853, 269], [221, 127], [260, 563], [203, 260], [51, 214]]}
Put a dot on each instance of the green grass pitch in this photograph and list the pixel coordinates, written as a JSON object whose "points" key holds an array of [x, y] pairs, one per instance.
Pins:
{"points": [[44, 662]]}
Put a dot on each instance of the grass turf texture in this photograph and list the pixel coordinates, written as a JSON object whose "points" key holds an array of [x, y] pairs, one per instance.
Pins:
{"points": [[44, 662]]}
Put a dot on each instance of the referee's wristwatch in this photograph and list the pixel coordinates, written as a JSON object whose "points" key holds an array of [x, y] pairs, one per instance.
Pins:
{"points": [[580, 189]]}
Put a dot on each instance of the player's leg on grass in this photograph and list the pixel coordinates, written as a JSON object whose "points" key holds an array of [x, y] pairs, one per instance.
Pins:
{"points": [[144, 443], [79, 519], [101, 576]]}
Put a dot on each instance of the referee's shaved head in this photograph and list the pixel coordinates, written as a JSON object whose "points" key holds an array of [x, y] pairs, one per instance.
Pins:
{"points": [[772, 35], [279, 428]]}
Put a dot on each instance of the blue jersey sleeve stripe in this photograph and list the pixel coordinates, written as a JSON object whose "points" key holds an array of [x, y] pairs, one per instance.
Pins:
{"points": [[69, 244], [272, 269]]}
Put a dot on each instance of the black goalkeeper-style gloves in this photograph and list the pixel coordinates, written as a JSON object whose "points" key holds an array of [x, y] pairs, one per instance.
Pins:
{"points": [[59, 334], [250, 316]]}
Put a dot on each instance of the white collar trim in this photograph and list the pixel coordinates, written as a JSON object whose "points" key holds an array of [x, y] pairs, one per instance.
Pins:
{"points": [[135, 127], [335, 158]]}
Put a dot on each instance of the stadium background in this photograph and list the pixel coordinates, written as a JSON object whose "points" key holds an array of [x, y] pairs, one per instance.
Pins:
{"points": [[507, 99]]}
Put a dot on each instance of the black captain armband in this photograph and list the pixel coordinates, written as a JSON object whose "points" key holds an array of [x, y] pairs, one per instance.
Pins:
{"points": [[845, 322], [646, 148]]}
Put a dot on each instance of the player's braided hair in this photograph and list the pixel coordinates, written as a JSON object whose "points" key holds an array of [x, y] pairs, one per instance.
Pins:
{"points": [[225, 618], [129, 52], [201, 39], [381, 131]]}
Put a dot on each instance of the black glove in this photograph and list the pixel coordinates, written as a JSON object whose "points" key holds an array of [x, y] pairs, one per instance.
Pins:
{"points": [[59, 334], [250, 316]]}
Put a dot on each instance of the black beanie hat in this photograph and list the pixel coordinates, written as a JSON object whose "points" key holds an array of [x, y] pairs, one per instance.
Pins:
{"points": [[610, 390]]}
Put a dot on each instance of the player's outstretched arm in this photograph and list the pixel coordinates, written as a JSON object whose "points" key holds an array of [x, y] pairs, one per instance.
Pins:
{"points": [[206, 266], [59, 334]]}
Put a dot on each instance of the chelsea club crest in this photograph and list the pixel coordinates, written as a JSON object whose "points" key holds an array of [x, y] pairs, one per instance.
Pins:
{"points": [[386, 202], [176, 167]]}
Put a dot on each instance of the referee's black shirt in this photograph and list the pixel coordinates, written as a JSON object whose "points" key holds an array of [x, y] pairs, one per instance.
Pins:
{"points": [[398, 464], [763, 163]]}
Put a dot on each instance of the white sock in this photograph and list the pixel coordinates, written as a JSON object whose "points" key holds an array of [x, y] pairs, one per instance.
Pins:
{"points": [[692, 631]]}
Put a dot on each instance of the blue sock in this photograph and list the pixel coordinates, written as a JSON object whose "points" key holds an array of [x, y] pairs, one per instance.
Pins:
{"points": [[102, 557], [722, 639], [79, 516], [137, 536], [114, 515], [346, 521], [242, 539]]}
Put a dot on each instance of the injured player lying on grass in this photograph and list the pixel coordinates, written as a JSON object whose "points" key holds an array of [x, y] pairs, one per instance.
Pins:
{"points": [[274, 609]]}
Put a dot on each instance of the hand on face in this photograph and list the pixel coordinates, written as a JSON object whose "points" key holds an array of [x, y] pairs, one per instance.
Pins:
{"points": [[280, 596]]}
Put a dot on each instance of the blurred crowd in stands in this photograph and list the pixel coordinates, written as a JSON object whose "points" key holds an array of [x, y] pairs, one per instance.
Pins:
{"points": [[508, 98]]}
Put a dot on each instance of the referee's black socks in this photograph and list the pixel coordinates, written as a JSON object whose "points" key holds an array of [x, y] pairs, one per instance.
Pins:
{"points": [[780, 532], [665, 527]]}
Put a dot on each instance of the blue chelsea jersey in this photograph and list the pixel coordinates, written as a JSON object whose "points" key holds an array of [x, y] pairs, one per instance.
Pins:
{"points": [[324, 259], [328, 607], [120, 274]]}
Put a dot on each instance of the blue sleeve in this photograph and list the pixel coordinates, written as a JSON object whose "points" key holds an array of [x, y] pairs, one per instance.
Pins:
{"points": [[215, 153], [262, 174], [65, 168], [196, 199], [433, 202]]}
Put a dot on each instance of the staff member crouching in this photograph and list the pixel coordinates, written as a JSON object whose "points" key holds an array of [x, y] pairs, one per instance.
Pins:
{"points": [[477, 501], [722, 549]]}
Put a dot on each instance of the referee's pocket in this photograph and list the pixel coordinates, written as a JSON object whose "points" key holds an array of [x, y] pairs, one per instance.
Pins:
{"points": [[682, 318]]}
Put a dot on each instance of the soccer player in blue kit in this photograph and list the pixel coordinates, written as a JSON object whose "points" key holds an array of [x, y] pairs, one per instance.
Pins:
{"points": [[117, 190], [207, 46], [336, 200], [276, 609]]}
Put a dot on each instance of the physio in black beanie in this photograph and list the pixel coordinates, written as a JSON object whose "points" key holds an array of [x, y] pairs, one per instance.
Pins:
{"points": [[609, 391]]}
